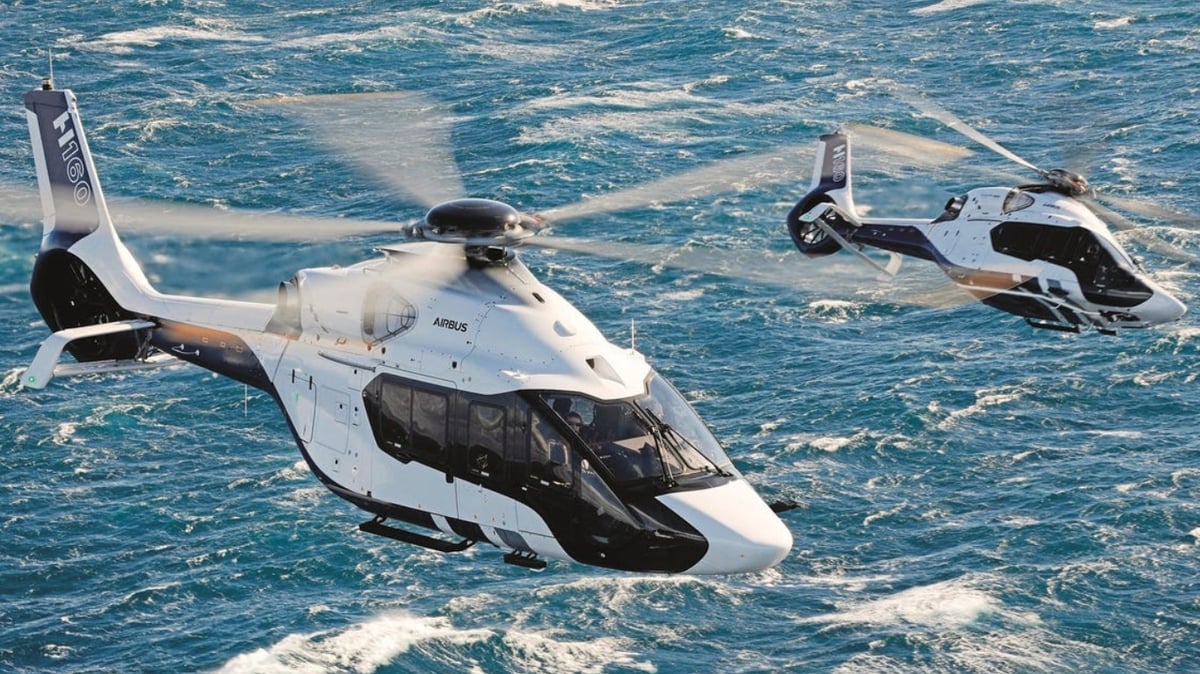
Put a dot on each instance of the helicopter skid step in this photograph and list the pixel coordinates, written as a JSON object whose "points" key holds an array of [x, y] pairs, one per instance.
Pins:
{"points": [[377, 527], [527, 560]]}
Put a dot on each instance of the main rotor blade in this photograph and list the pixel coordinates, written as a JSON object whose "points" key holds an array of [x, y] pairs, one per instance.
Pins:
{"points": [[19, 204], [729, 175], [1149, 210], [1144, 236], [935, 111], [195, 221], [916, 150], [740, 174], [400, 138], [785, 270], [165, 218]]}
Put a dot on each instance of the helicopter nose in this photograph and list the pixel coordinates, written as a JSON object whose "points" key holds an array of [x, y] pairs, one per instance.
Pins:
{"points": [[743, 533], [1162, 307]]}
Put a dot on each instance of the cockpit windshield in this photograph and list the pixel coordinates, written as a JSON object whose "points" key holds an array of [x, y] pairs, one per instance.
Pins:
{"points": [[655, 438]]}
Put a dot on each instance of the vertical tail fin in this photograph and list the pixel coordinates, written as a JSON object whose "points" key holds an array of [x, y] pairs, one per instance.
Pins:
{"points": [[830, 185], [83, 275], [72, 202], [831, 175]]}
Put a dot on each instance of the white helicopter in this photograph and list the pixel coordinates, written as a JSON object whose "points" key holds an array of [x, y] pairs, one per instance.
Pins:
{"points": [[440, 386], [1038, 251]]}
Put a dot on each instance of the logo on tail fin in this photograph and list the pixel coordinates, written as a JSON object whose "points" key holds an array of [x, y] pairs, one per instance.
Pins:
{"points": [[72, 155]]}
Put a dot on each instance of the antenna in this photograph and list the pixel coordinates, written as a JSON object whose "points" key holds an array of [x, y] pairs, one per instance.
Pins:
{"points": [[632, 335], [48, 82]]}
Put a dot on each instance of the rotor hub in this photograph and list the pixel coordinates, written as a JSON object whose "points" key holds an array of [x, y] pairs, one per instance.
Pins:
{"points": [[1068, 182], [474, 222]]}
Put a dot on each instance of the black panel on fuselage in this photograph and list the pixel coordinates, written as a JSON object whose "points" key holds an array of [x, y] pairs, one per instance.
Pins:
{"points": [[508, 445]]}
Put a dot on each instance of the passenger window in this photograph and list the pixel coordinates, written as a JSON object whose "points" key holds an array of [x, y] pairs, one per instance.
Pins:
{"points": [[485, 438], [389, 406], [430, 412]]}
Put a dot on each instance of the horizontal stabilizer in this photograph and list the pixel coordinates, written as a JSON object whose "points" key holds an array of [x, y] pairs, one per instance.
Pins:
{"points": [[45, 363]]}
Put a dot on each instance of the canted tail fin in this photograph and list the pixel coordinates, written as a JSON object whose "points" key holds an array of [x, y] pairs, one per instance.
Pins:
{"points": [[830, 185], [72, 201], [83, 275]]}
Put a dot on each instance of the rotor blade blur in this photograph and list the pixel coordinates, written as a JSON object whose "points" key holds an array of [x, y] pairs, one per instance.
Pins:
{"points": [[737, 174], [166, 218], [751, 265], [831, 275], [1143, 235], [19, 204], [935, 111], [195, 221], [399, 138], [1150, 210], [914, 151], [943, 295]]}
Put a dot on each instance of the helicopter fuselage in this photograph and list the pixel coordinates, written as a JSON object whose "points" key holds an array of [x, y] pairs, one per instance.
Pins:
{"points": [[448, 404], [1033, 251], [440, 385]]}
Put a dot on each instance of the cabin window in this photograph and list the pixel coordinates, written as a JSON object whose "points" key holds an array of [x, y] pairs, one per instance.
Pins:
{"points": [[408, 422], [393, 431], [485, 438], [430, 415], [1077, 249], [653, 441]]}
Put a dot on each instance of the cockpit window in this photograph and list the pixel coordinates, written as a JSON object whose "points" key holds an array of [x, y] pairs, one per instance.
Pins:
{"points": [[655, 438], [1016, 200], [1103, 276]]}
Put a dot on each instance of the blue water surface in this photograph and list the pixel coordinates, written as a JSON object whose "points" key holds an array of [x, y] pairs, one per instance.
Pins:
{"points": [[976, 496]]}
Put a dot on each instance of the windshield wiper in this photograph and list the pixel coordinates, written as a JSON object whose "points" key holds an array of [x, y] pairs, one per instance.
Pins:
{"points": [[679, 441]]}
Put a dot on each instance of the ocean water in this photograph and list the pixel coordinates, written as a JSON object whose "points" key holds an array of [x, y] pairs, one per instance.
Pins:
{"points": [[975, 496]]}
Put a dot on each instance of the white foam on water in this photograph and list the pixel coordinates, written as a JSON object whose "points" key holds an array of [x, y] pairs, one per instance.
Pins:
{"points": [[964, 626], [584, 5], [362, 648], [944, 6], [984, 398], [365, 647], [64, 432], [124, 42], [1108, 24], [402, 31], [1034, 650], [682, 295], [542, 652], [946, 605]]}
